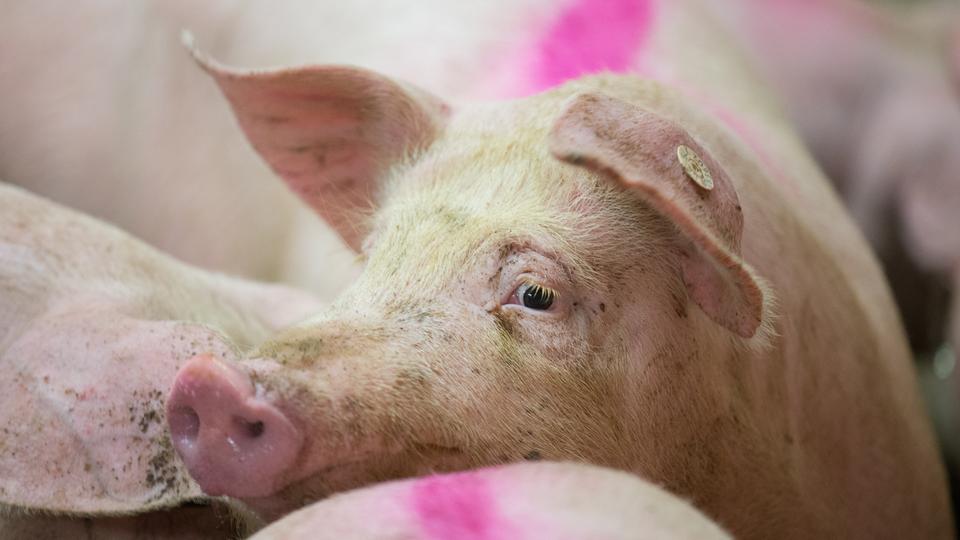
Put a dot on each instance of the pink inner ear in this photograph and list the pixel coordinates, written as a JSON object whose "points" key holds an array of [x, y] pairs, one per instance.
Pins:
{"points": [[330, 131]]}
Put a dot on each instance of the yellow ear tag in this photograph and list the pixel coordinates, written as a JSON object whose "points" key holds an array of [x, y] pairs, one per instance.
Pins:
{"points": [[695, 168]]}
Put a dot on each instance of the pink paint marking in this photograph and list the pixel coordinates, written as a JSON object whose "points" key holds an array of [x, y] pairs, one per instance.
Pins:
{"points": [[458, 506], [613, 35], [589, 37]]}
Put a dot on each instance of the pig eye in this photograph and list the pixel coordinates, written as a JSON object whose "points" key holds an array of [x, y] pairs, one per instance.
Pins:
{"points": [[534, 296]]}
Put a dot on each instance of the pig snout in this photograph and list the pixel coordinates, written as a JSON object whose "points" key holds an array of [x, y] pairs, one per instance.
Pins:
{"points": [[232, 441]]}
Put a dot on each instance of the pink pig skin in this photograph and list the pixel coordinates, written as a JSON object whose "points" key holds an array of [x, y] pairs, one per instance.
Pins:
{"points": [[560, 501], [94, 326]]}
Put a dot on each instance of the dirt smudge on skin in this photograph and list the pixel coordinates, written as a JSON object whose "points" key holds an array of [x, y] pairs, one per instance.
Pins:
{"points": [[163, 471], [163, 474], [146, 410], [508, 338], [506, 325]]}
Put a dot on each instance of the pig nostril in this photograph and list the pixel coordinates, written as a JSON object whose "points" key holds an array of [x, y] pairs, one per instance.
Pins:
{"points": [[185, 423], [255, 429], [252, 430]]}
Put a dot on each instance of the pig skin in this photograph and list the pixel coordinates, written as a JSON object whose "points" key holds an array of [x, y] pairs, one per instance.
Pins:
{"points": [[94, 326], [560, 501]]}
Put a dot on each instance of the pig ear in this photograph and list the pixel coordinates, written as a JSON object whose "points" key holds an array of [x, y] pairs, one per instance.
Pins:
{"points": [[640, 150], [331, 132]]}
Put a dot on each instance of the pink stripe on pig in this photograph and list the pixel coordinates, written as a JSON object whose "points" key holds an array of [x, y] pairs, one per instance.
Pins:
{"points": [[458, 506], [588, 37]]}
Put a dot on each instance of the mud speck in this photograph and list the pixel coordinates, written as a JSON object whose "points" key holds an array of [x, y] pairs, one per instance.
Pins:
{"points": [[148, 418], [533, 455], [162, 470]]}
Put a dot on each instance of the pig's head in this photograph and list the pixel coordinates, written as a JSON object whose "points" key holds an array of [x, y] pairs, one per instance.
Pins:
{"points": [[542, 280]]}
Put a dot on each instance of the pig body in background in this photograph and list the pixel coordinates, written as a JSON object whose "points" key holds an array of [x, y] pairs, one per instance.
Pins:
{"points": [[100, 92], [520, 502], [645, 273], [873, 92], [93, 326]]}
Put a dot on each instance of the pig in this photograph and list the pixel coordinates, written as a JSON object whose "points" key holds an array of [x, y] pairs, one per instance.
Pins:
{"points": [[94, 325], [563, 501], [642, 270], [873, 92]]}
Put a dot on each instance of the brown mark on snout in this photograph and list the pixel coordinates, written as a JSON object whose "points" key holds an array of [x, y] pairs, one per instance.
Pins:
{"points": [[533, 455], [296, 347]]}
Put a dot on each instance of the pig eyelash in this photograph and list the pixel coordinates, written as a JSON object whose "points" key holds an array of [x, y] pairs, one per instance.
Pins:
{"points": [[534, 296]]}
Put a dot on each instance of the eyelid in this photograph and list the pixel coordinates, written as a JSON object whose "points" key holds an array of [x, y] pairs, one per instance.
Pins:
{"points": [[526, 265], [550, 293], [519, 281], [515, 297]]}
